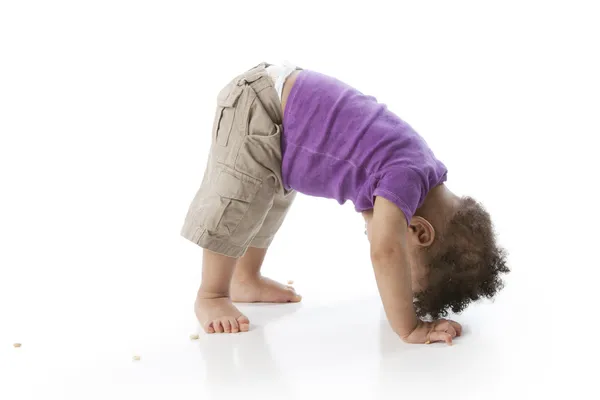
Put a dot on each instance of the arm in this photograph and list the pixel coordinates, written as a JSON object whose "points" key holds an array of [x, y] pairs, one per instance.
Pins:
{"points": [[387, 231], [387, 228]]}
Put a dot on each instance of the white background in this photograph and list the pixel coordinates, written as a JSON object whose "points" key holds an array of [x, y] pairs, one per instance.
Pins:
{"points": [[105, 114]]}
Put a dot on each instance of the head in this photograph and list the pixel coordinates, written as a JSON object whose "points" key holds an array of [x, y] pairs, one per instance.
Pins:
{"points": [[454, 256]]}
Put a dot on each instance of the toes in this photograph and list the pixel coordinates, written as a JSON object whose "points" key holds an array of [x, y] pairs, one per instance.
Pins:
{"points": [[290, 292], [226, 325], [293, 297], [235, 328], [208, 327], [244, 323], [296, 299]]}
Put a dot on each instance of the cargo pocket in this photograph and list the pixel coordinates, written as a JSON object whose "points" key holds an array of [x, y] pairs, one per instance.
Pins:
{"points": [[236, 192], [225, 115]]}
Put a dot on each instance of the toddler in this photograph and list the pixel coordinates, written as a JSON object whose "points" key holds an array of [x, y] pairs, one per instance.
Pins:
{"points": [[279, 130]]}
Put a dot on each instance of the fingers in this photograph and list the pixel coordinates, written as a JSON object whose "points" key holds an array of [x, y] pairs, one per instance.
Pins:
{"points": [[437, 336], [445, 331], [449, 328], [457, 327]]}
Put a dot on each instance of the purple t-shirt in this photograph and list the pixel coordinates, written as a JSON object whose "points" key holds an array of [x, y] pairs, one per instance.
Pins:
{"points": [[339, 143]]}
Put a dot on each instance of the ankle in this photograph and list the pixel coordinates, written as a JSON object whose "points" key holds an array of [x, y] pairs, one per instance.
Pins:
{"points": [[245, 277], [206, 293]]}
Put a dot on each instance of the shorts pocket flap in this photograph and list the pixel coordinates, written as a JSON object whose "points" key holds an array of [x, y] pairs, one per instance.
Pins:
{"points": [[237, 186], [229, 95]]}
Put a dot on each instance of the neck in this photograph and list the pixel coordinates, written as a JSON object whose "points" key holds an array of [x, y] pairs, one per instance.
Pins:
{"points": [[439, 204]]}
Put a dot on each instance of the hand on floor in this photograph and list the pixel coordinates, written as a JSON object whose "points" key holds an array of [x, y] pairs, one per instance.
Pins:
{"points": [[441, 330]]}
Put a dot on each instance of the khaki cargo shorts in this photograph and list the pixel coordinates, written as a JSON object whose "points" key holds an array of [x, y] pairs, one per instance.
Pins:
{"points": [[241, 202]]}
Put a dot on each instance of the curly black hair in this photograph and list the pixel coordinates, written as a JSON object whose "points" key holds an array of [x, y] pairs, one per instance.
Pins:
{"points": [[464, 263]]}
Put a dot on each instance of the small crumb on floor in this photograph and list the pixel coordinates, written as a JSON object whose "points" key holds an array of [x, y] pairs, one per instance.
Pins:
{"points": [[194, 336], [290, 282], [136, 358], [17, 345]]}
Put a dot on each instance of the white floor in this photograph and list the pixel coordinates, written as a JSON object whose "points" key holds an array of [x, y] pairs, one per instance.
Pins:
{"points": [[340, 348], [80, 329]]}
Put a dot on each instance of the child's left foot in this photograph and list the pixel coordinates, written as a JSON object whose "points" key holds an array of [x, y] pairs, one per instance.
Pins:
{"points": [[262, 290]]}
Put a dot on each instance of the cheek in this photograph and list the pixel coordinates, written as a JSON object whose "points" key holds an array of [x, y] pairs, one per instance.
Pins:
{"points": [[418, 268], [417, 284], [418, 277]]}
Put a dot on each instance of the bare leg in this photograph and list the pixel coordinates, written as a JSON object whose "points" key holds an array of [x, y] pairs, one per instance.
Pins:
{"points": [[249, 286], [213, 307]]}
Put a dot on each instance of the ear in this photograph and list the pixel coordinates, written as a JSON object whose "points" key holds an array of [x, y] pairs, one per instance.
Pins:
{"points": [[421, 232]]}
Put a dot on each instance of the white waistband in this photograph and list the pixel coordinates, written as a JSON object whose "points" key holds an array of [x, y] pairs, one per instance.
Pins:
{"points": [[279, 74]]}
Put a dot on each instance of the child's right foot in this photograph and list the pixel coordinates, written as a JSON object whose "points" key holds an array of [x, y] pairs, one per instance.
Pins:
{"points": [[218, 315]]}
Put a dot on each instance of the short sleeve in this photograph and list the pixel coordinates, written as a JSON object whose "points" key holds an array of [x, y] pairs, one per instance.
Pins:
{"points": [[404, 188]]}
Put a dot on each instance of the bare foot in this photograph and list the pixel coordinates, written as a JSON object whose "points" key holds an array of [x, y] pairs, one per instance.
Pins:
{"points": [[218, 314], [262, 290]]}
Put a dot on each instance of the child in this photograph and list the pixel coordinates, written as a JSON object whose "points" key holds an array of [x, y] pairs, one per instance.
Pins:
{"points": [[280, 129]]}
